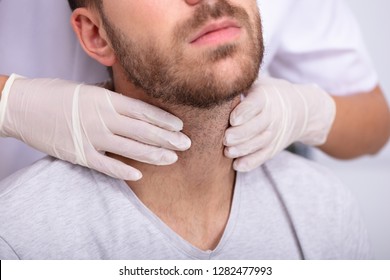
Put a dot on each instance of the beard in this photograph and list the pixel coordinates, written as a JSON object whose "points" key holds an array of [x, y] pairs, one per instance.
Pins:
{"points": [[172, 77]]}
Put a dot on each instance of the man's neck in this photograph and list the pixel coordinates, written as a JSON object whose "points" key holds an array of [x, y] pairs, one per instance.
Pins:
{"points": [[192, 196]]}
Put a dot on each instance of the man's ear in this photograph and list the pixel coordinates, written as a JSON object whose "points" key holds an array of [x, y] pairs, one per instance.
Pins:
{"points": [[87, 25]]}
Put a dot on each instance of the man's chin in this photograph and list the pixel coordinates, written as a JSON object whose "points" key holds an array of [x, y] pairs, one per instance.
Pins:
{"points": [[202, 93], [227, 69]]}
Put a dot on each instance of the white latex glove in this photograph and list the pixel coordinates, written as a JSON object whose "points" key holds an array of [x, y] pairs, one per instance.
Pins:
{"points": [[273, 115], [79, 123]]}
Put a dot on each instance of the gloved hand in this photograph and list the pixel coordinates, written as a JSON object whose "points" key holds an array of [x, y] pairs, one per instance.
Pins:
{"points": [[273, 115], [79, 123]]}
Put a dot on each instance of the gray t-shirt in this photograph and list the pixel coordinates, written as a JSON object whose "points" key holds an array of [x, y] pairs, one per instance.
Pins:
{"points": [[288, 209]]}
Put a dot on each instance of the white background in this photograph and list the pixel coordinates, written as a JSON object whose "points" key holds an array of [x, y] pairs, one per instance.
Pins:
{"points": [[281, 270], [369, 177]]}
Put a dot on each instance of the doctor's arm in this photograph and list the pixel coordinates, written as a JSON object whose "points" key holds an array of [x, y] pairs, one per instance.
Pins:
{"points": [[3, 80], [79, 123], [361, 126]]}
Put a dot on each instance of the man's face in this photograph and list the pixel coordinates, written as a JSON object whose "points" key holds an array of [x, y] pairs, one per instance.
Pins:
{"points": [[199, 54]]}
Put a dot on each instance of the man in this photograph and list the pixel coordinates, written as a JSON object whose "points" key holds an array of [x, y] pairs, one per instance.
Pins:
{"points": [[193, 59], [329, 52]]}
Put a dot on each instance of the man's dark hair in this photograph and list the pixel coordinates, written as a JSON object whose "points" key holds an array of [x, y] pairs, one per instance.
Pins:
{"points": [[74, 4]]}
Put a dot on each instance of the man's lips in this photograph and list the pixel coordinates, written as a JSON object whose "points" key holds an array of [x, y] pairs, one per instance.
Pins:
{"points": [[216, 32]]}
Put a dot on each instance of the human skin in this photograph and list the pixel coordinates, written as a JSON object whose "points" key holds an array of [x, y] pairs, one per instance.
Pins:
{"points": [[353, 133], [361, 126], [3, 80], [194, 195]]}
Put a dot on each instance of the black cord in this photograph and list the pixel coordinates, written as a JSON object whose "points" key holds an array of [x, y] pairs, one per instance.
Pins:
{"points": [[290, 221]]}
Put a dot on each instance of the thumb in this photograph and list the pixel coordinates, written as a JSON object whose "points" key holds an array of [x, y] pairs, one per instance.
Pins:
{"points": [[251, 105]]}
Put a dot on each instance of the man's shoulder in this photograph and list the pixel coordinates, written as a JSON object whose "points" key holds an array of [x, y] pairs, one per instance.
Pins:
{"points": [[53, 205], [317, 202], [301, 183], [304, 181], [46, 181], [289, 169], [43, 173]]}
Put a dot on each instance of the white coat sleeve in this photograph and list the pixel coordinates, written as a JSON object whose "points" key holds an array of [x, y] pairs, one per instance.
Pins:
{"points": [[321, 43]]}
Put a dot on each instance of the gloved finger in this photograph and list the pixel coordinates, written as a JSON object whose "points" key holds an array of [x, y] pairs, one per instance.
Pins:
{"points": [[140, 152], [149, 134], [250, 162], [236, 135], [251, 106], [145, 112], [114, 168], [257, 143]]}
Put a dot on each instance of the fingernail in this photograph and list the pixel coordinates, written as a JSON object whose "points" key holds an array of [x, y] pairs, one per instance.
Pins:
{"points": [[236, 166], [232, 152], [178, 125], [230, 139], [239, 167], [183, 144], [243, 165], [244, 116], [237, 120], [169, 158], [138, 176], [174, 124], [134, 176]]}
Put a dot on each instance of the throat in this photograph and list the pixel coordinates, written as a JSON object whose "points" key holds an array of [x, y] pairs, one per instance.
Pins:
{"points": [[197, 210], [194, 195]]}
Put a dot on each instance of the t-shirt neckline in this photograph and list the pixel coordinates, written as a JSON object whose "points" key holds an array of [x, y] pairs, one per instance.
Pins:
{"points": [[175, 239]]}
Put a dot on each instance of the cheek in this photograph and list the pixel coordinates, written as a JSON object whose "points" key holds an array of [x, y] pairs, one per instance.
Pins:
{"points": [[256, 26], [139, 20]]}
